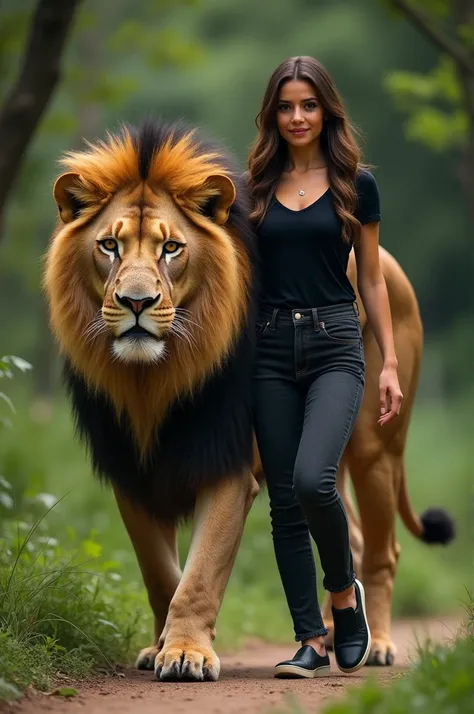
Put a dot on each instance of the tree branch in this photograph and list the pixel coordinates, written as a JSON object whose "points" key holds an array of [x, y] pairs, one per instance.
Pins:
{"points": [[40, 72], [436, 36], [463, 11]]}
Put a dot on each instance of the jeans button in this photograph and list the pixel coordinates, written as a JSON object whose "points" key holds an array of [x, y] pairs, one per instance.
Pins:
{"points": [[297, 315]]}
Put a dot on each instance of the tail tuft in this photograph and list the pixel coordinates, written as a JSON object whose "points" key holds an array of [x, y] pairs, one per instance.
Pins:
{"points": [[438, 526]]}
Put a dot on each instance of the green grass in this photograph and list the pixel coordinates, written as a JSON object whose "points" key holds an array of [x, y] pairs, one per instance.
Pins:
{"points": [[62, 609], [83, 620]]}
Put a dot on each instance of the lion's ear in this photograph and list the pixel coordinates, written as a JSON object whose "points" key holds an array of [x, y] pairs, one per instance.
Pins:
{"points": [[68, 204], [223, 197]]}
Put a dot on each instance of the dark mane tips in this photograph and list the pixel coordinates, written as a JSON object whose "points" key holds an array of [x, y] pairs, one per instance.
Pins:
{"points": [[148, 138], [153, 133]]}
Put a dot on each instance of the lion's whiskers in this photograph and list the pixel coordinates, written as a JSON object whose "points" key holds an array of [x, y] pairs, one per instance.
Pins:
{"points": [[183, 318], [96, 327], [179, 329]]}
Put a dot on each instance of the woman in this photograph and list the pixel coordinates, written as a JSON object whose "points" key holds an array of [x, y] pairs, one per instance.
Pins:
{"points": [[313, 202]]}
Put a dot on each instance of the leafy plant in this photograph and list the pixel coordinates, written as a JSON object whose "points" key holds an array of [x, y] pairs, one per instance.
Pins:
{"points": [[61, 608], [6, 372]]}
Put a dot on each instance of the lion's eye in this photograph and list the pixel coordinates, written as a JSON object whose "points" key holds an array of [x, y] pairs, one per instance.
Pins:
{"points": [[109, 244], [171, 246]]}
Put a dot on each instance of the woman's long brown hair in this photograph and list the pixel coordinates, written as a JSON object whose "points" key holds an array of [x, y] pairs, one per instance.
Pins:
{"points": [[269, 154]]}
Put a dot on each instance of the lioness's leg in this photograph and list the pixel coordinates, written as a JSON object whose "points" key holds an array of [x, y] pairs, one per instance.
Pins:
{"points": [[376, 485], [155, 545], [220, 514], [375, 456]]}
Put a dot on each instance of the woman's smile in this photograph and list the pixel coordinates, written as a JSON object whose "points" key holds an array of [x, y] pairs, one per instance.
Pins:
{"points": [[299, 132]]}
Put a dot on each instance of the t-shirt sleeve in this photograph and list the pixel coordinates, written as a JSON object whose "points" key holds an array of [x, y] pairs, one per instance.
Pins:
{"points": [[368, 199]]}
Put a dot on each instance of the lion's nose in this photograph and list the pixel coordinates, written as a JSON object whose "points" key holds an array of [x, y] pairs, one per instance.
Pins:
{"points": [[137, 306]]}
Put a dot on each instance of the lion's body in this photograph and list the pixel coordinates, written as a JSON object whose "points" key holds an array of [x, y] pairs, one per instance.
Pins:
{"points": [[150, 280]]}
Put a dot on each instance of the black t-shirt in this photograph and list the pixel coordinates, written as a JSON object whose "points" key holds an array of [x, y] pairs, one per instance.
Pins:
{"points": [[303, 257]]}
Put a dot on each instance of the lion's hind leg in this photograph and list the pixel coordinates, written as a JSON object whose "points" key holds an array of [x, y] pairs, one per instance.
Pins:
{"points": [[155, 545], [376, 483]]}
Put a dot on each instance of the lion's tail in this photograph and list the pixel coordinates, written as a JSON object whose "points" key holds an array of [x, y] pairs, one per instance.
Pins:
{"points": [[435, 525]]}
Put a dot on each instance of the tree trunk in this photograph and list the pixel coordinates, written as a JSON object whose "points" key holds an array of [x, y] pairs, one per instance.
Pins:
{"points": [[90, 120], [29, 97]]}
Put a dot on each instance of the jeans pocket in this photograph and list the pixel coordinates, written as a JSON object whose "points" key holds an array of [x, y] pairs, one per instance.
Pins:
{"points": [[344, 331]]}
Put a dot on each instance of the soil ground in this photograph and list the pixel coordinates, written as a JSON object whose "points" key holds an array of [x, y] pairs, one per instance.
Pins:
{"points": [[246, 684]]}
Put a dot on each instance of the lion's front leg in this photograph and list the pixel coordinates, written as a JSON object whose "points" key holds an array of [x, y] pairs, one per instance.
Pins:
{"points": [[155, 545], [187, 652]]}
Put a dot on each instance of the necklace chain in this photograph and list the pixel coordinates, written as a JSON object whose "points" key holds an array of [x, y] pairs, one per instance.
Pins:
{"points": [[301, 191], [310, 168]]}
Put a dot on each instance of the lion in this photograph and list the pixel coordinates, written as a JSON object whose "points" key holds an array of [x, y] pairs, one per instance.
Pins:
{"points": [[151, 277]]}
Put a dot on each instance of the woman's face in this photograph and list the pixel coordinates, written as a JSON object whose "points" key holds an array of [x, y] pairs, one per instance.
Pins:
{"points": [[299, 113]]}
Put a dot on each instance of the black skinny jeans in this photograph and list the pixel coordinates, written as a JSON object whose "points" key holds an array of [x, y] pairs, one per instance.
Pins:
{"points": [[308, 385]]}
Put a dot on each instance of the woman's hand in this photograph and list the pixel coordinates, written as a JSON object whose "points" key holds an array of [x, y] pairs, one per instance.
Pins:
{"points": [[390, 395]]}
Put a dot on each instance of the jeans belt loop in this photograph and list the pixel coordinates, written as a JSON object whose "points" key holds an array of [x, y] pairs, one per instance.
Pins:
{"points": [[314, 312], [274, 317]]}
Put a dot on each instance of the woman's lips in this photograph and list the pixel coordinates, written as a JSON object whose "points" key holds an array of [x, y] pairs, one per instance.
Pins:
{"points": [[298, 132]]}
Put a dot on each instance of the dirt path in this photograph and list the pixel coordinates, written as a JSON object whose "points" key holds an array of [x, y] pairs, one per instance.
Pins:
{"points": [[246, 684]]}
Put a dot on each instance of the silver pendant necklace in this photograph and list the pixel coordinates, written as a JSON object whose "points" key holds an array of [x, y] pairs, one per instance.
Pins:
{"points": [[301, 191]]}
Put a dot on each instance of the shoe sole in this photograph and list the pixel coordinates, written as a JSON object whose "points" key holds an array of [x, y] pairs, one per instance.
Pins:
{"points": [[369, 643], [288, 671]]}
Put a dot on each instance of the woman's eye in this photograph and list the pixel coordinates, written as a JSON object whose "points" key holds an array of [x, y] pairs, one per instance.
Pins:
{"points": [[171, 246], [311, 105], [283, 107], [109, 244]]}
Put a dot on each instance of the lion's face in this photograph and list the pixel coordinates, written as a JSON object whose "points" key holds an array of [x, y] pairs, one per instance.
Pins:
{"points": [[141, 248]]}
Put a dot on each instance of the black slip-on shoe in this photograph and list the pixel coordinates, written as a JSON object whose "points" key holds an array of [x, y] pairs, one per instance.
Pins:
{"points": [[351, 634], [306, 663]]}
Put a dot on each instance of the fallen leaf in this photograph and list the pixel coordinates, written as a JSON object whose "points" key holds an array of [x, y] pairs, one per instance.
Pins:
{"points": [[64, 692]]}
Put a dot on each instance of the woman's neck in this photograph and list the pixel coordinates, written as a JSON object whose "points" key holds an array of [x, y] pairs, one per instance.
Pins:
{"points": [[301, 159]]}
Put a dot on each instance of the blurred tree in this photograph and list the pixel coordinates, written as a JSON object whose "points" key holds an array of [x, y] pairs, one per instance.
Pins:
{"points": [[39, 75], [441, 102]]}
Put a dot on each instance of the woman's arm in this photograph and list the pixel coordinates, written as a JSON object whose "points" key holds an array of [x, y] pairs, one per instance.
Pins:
{"points": [[374, 296]]}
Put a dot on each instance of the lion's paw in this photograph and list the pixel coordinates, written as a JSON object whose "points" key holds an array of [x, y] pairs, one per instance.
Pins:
{"points": [[382, 653], [189, 662], [146, 658]]}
